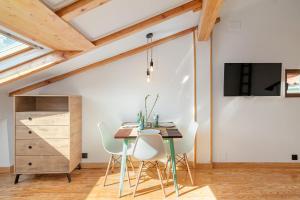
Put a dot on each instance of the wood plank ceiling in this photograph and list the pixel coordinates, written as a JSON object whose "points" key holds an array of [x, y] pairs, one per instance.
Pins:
{"points": [[36, 21], [57, 22], [157, 19]]}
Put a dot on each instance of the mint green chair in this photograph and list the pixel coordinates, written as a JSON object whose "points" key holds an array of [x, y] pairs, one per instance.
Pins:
{"points": [[183, 147], [114, 148]]}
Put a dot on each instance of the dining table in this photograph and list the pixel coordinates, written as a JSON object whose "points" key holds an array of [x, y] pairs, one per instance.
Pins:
{"points": [[129, 132]]}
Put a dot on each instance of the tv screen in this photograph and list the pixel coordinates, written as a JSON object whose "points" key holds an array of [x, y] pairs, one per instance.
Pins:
{"points": [[252, 79]]}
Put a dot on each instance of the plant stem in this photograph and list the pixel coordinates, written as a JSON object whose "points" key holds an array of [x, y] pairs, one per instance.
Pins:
{"points": [[152, 108]]}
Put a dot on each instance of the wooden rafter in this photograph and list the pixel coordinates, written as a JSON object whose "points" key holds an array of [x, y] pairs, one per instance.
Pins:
{"points": [[210, 13], [78, 8], [141, 25], [37, 22], [149, 22], [35, 65], [102, 62]]}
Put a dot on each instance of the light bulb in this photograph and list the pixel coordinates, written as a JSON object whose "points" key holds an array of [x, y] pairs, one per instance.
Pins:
{"points": [[148, 75], [151, 68], [151, 65]]}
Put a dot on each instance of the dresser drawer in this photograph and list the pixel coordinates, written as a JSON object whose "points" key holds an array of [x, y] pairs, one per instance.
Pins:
{"points": [[42, 118], [43, 147], [41, 164], [42, 132]]}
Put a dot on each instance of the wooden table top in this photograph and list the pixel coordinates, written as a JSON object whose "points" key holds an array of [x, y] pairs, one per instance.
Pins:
{"points": [[124, 133]]}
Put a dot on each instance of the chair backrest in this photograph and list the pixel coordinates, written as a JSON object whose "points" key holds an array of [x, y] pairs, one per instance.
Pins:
{"points": [[107, 140], [149, 147], [189, 136]]}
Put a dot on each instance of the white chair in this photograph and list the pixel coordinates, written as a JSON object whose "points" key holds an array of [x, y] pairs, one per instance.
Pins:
{"points": [[149, 148], [182, 147], [114, 147]]}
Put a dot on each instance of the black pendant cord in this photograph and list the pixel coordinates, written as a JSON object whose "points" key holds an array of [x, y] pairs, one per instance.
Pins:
{"points": [[147, 54], [151, 50]]}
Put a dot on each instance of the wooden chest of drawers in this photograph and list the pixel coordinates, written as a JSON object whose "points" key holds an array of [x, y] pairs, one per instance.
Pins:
{"points": [[47, 134]]}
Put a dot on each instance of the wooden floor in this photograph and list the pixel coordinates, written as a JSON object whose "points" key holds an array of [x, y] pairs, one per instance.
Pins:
{"points": [[209, 184]]}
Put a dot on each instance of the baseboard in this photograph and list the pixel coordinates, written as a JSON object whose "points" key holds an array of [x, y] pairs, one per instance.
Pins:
{"points": [[250, 165], [204, 166], [6, 170], [103, 165], [93, 165]]}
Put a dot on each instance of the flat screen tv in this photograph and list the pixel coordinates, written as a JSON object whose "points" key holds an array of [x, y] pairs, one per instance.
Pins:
{"points": [[252, 79]]}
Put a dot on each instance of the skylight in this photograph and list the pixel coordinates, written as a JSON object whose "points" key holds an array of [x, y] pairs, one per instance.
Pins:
{"points": [[10, 46]]}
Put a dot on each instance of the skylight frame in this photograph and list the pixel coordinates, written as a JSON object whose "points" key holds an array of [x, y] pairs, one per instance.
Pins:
{"points": [[13, 50]]}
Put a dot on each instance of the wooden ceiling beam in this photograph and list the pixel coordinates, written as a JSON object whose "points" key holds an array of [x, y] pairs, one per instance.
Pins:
{"points": [[140, 26], [102, 62], [35, 65], [190, 6], [210, 13], [37, 22], [78, 8]]}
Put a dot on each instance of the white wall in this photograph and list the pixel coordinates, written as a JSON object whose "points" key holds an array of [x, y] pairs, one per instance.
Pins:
{"points": [[115, 93], [6, 129], [256, 129], [203, 101]]}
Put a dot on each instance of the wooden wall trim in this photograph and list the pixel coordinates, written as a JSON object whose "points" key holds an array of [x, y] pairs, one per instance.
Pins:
{"points": [[211, 166], [251, 165], [195, 94], [102, 62], [211, 100], [6, 170], [103, 165]]}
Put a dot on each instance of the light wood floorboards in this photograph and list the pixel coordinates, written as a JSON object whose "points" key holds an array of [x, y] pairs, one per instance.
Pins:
{"points": [[209, 185]]}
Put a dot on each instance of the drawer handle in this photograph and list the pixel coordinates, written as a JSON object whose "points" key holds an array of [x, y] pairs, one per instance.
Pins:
{"points": [[30, 164], [29, 132], [29, 118], [29, 147]]}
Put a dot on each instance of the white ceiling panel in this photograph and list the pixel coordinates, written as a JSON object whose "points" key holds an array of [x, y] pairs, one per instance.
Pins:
{"points": [[164, 29], [117, 14], [57, 4]]}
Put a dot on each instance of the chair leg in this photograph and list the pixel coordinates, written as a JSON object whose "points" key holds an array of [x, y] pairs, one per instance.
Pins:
{"points": [[160, 178], [166, 165], [188, 167], [130, 162], [113, 165], [138, 178], [168, 172], [128, 175], [108, 168]]}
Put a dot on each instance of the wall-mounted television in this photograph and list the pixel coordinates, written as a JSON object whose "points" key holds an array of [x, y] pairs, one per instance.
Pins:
{"points": [[252, 79]]}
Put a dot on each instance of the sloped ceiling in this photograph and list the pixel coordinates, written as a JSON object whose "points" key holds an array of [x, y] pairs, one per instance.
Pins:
{"points": [[109, 18]]}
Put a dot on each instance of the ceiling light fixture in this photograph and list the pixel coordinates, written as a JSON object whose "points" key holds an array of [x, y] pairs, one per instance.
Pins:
{"points": [[150, 65]]}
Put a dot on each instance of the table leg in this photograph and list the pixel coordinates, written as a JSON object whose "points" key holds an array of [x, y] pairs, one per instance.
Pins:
{"points": [[123, 165], [171, 142]]}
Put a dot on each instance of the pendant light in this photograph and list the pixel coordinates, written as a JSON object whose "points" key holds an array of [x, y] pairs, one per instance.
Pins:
{"points": [[149, 65]]}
